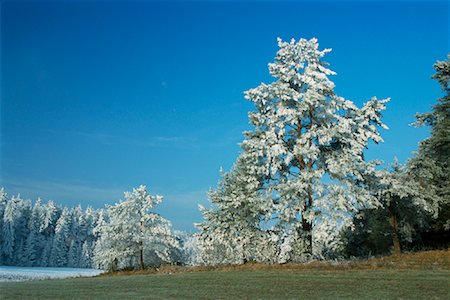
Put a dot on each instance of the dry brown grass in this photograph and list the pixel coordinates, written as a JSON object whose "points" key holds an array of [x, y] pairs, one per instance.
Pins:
{"points": [[426, 260]]}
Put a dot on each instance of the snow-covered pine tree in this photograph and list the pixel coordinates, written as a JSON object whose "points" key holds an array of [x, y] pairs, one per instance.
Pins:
{"points": [[3, 202], [35, 240], [307, 148], [431, 165], [47, 228], [134, 236], [76, 237], [87, 226], [61, 240], [15, 231], [231, 231]]}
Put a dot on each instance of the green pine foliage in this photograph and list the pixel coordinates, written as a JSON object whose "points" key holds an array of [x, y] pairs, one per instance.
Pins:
{"points": [[430, 167]]}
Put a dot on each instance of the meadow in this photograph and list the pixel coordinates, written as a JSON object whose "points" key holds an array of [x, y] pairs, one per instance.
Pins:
{"points": [[409, 276]]}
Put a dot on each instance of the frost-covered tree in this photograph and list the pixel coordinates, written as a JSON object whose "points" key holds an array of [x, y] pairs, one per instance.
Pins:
{"points": [[61, 240], [3, 202], [35, 240], [431, 165], [134, 236], [76, 237], [307, 150], [47, 227], [15, 231], [231, 232], [190, 248], [87, 226]]}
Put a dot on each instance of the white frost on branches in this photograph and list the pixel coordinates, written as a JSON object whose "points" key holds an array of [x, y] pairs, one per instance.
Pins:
{"points": [[304, 162], [134, 236]]}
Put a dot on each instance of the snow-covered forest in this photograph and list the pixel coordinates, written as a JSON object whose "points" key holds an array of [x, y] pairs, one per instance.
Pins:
{"points": [[125, 235], [45, 234], [300, 189]]}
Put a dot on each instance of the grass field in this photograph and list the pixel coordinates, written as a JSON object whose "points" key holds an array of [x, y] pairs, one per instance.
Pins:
{"points": [[425, 278]]}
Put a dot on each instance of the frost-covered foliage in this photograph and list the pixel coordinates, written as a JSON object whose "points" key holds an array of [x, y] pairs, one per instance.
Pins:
{"points": [[133, 236], [45, 235], [190, 252], [304, 168], [431, 165], [232, 232]]}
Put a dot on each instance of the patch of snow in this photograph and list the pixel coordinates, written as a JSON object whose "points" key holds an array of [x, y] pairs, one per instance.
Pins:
{"points": [[11, 273]]}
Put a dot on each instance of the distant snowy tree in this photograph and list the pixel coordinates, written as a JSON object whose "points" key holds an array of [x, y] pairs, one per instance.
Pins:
{"points": [[47, 228], [35, 240], [307, 148], [3, 202], [8, 231], [431, 165], [134, 236], [15, 232], [87, 226], [76, 237], [61, 240]]}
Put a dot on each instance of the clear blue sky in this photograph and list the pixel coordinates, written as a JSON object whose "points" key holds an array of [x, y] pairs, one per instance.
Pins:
{"points": [[100, 97]]}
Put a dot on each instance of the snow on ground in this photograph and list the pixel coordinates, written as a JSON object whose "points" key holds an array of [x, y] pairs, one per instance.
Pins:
{"points": [[9, 273]]}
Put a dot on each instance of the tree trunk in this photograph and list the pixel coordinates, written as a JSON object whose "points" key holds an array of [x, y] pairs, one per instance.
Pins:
{"points": [[141, 247], [394, 229], [308, 227], [114, 265], [141, 255]]}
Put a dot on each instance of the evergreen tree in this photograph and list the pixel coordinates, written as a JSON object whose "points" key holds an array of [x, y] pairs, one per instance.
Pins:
{"points": [[231, 232], [35, 240], [431, 165], [61, 240], [3, 203], [15, 231], [394, 226], [134, 236], [87, 226], [47, 229], [307, 150], [76, 237]]}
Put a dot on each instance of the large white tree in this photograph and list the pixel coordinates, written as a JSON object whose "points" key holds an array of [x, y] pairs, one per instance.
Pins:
{"points": [[134, 236], [306, 151]]}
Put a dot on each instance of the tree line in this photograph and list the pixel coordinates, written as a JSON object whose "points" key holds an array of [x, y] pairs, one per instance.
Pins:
{"points": [[301, 188], [46, 234], [122, 236]]}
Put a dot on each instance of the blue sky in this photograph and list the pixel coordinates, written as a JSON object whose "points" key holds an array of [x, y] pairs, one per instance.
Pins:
{"points": [[100, 97]]}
